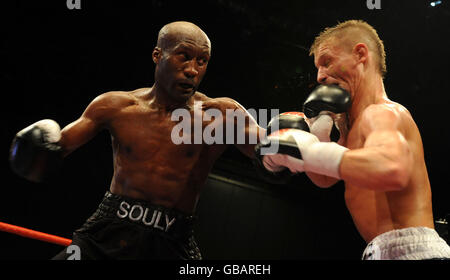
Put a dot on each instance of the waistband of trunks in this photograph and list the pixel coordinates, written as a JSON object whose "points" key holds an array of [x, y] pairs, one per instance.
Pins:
{"points": [[413, 243], [164, 220]]}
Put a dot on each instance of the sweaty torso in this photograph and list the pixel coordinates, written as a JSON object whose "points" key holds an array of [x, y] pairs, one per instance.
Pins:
{"points": [[148, 164], [376, 212]]}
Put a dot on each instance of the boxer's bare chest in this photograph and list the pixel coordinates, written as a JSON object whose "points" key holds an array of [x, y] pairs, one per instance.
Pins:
{"points": [[355, 138], [143, 133]]}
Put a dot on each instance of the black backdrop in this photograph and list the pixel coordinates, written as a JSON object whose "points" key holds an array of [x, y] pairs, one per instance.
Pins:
{"points": [[54, 61]]}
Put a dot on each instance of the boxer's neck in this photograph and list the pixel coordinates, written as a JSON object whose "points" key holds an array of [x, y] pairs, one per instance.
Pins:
{"points": [[370, 91], [161, 99]]}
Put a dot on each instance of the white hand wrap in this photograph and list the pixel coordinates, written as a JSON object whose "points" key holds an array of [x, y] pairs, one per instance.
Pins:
{"points": [[324, 158], [277, 162], [319, 157]]}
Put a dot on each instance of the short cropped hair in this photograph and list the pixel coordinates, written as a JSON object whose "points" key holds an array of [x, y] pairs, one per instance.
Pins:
{"points": [[362, 32]]}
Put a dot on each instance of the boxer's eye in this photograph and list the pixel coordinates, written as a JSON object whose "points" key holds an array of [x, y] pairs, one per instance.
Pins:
{"points": [[202, 61], [184, 56], [325, 61]]}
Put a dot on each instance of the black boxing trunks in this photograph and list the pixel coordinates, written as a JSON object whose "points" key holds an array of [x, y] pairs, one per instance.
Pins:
{"points": [[126, 228]]}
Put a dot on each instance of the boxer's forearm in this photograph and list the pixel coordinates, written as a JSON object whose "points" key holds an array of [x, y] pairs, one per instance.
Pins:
{"points": [[248, 150], [253, 134], [76, 134]]}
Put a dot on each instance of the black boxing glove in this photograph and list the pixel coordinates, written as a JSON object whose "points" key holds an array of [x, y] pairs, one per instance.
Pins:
{"points": [[265, 158], [35, 153], [325, 108]]}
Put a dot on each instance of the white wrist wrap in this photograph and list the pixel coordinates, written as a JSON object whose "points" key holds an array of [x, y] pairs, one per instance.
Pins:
{"points": [[324, 158]]}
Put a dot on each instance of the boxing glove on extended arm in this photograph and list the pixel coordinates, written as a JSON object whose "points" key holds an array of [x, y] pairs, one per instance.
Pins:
{"points": [[271, 154], [35, 153], [301, 151]]}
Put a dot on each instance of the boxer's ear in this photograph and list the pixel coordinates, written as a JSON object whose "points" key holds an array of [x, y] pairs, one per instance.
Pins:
{"points": [[156, 55], [362, 52]]}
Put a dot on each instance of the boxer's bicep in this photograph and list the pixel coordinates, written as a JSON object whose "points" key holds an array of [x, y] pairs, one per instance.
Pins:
{"points": [[384, 162], [93, 119], [386, 135]]}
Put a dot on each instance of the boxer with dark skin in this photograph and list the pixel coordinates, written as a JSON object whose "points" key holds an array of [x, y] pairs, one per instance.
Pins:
{"points": [[148, 211], [147, 164]]}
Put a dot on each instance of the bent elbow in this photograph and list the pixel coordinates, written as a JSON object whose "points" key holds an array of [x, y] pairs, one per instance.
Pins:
{"points": [[321, 181], [397, 178]]}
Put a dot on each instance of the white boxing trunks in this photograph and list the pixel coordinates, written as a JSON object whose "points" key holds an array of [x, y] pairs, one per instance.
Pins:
{"points": [[414, 243]]}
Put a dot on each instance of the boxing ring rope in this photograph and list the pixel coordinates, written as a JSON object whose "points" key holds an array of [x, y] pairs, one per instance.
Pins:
{"points": [[33, 234]]}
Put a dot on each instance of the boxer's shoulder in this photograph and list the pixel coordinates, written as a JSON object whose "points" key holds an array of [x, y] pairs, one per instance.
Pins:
{"points": [[221, 103], [199, 96], [117, 99], [390, 110], [384, 115], [386, 107], [107, 104]]}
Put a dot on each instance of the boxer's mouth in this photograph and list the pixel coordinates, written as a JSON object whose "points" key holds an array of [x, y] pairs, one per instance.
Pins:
{"points": [[187, 86]]}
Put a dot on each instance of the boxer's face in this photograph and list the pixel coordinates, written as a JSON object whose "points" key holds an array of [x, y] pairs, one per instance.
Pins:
{"points": [[337, 64], [181, 67]]}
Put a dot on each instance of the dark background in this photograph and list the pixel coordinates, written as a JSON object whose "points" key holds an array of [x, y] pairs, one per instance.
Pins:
{"points": [[54, 61]]}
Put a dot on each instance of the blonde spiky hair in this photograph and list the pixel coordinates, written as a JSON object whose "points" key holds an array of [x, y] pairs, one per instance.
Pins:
{"points": [[358, 31]]}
